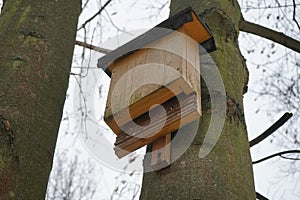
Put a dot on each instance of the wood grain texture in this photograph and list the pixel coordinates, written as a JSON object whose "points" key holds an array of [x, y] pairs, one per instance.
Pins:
{"points": [[152, 76], [180, 110]]}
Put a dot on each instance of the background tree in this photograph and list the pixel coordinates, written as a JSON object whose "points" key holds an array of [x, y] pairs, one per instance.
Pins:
{"points": [[36, 44], [71, 179]]}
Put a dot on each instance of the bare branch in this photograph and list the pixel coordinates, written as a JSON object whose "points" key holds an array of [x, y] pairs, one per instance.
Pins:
{"points": [[270, 34], [95, 15], [294, 14], [276, 154], [271, 130], [267, 7], [92, 47], [260, 197], [287, 158]]}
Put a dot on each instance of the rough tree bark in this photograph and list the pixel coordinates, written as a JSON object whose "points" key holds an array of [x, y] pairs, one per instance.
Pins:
{"points": [[226, 173], [36, 47]]}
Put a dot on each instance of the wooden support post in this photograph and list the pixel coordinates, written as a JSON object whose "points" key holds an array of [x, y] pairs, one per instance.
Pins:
{"points": [[161, 153]]}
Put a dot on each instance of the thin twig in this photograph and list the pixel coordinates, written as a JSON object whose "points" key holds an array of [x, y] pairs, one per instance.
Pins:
{"points": [[270, 34], [267, 7], [95, 15], [272, 129], [294, 14], [287, 158], [92, 47], [276, 154]]}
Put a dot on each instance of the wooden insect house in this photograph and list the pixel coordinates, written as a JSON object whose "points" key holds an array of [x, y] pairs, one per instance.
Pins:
{"points": [[155, 84]]}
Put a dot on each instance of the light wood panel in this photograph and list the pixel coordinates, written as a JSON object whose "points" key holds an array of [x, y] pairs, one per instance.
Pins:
{"points": [[147, 64]]}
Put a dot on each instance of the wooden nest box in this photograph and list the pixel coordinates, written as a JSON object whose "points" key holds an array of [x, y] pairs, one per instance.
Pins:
{"points": [[155, 82]]}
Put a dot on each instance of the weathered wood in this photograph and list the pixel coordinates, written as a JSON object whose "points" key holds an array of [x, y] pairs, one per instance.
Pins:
{"points": [[161, 153], [193, 69]]}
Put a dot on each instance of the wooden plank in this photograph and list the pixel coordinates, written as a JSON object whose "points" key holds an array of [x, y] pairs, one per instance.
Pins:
{"points": [[139, 73], [176, 118], [119, 69], [139, 108], [193, 69], [184, 55], [126, 86], [161, 152], [131, 146], [173, 61], [143, 106], [142, 133]]}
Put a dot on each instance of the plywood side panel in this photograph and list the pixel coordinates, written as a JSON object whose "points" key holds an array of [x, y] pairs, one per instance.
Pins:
{"points": [[119, 68], [140, 107]]}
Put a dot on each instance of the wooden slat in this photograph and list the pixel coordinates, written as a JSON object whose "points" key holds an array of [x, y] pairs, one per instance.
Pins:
{"points": [[141, 60], [156, 98], [119, 69], [161, 153], [193, 69], [184, 54], [176, 117]]}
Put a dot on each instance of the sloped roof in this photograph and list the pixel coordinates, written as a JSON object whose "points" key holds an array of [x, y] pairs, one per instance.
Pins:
{"points": [[199, 31]]}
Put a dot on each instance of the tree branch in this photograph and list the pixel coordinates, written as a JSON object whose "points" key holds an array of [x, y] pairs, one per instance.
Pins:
{"points": [[92, 47], [2, 6], [270, 34], [287, 158], [95, 15], [260, 197], [276, 154], [294, 14], [271, 129]]}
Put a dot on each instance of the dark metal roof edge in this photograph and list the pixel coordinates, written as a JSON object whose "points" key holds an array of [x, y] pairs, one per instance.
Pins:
{"points": [[172, 23], [208, 46], [177, 20]]}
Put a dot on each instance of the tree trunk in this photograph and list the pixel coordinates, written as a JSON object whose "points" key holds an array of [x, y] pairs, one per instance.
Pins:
{"points": [[225, 173], [36, 47]]}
